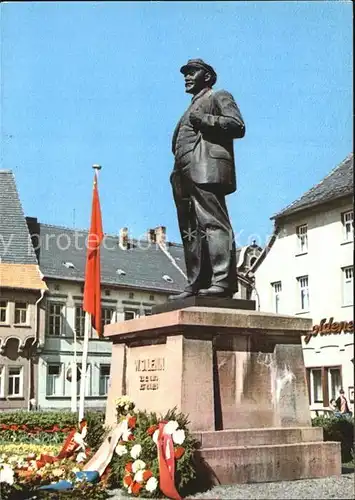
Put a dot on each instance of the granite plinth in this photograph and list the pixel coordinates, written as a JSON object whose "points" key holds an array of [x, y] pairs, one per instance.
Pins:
{"points": [[196, 301], [239, 375], [262, 455], [226, 368]]}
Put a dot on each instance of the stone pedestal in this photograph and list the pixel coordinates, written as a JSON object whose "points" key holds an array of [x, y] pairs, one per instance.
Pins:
{"points": [[226, 368]]}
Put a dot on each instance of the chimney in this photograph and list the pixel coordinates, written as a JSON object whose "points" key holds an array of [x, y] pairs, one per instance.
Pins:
{"points": [[151, 236], [123, 238], [160, 235]]}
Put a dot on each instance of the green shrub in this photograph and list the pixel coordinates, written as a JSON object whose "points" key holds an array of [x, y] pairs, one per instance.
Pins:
{"points": [[48, 426], [38, 419], [96, 429], [338, 429]]}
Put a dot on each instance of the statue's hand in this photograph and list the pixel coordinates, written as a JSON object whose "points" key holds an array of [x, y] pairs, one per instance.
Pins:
{"points": [[196, 118]]}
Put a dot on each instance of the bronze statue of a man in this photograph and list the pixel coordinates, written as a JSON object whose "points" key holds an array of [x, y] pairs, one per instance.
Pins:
{"points": [[204, 172]]}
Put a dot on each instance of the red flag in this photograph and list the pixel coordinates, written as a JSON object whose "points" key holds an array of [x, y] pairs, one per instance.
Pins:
{"points": [[92, 289]]}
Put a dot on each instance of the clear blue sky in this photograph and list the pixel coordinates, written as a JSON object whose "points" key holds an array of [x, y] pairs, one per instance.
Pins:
{"points": [[99, 82]]}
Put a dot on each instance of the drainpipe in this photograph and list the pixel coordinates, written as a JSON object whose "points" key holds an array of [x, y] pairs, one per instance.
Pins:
{"points": [[36, 339]]}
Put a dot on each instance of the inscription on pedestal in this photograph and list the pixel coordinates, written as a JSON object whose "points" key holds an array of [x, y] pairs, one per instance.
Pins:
{"points": [[149, 382]]}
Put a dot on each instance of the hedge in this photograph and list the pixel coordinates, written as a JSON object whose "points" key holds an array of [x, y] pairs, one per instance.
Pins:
{"points": [[48, 426], [338, 429]]}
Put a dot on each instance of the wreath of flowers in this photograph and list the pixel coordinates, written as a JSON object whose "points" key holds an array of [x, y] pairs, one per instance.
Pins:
{"points": [[135, 465]]}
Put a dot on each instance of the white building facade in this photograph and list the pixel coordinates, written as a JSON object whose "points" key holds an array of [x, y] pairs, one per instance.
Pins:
{"points": [[64, 315], [307, 270]]}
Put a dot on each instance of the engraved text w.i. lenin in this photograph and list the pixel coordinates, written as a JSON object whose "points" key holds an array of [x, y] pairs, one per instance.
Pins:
{"points": [[149, 382]]}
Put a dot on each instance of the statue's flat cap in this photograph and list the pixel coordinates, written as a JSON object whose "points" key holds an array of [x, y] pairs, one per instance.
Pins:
{"points": [[198, 63]]}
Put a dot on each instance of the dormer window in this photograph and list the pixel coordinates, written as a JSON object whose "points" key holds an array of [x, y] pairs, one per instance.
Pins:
{"points": [[168, 279], [69, 265]]}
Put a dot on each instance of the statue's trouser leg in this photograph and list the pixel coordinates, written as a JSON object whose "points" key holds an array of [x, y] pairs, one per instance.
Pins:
{"points": [[216, 232], [198, 273]]}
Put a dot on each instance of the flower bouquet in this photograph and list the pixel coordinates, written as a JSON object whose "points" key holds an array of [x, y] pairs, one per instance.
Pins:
{"points": [[155, 454]]}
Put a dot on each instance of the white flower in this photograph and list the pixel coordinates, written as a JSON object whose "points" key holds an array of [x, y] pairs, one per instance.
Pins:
{"points": [[171, 427], [179, 436], [136, 451], [138, 477], [81, 457], [138, 465], [121, 450], [6, 474], [155, 436], [152, 484], [129, 489]]}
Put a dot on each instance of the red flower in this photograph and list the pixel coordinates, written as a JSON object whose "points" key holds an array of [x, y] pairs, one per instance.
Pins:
{"points": [[131, 437], [128, 467], [179, 451], [14, 427], [5, 427], [147, 474], [128, 480], [55, 428], [152, 429], [136, 487], [132, 422]]}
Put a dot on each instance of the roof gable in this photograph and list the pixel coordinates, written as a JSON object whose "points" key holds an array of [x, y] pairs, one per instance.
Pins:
{"points": [[338, 183], [15, 247]]}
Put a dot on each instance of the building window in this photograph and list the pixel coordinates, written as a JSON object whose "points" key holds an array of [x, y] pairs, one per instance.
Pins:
{"points": [[348, 280], [334, 382], [104, 379], [316, 385], [129, 315], [302, 238], [277, 290], [2, 381], [151, 297], [15, 381], [107, 314], [3, 311], [324, 384], [54, 380], [348, 225], [304, 292], [79, 321], [55, 319], [20, 313]]}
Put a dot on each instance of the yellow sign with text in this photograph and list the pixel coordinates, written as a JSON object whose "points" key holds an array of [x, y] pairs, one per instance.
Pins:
{"points": [[330, 328]]}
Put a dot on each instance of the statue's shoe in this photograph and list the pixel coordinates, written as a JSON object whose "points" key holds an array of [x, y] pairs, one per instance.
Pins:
{"points": [[182, 295], [215, 291]]}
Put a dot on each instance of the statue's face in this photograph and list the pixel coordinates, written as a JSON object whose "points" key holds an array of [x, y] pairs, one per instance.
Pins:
{"points": [[196, 79]]}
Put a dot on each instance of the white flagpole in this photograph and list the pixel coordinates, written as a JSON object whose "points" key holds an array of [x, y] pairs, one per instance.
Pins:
{"points": [[74, 379], [84, 362]]}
